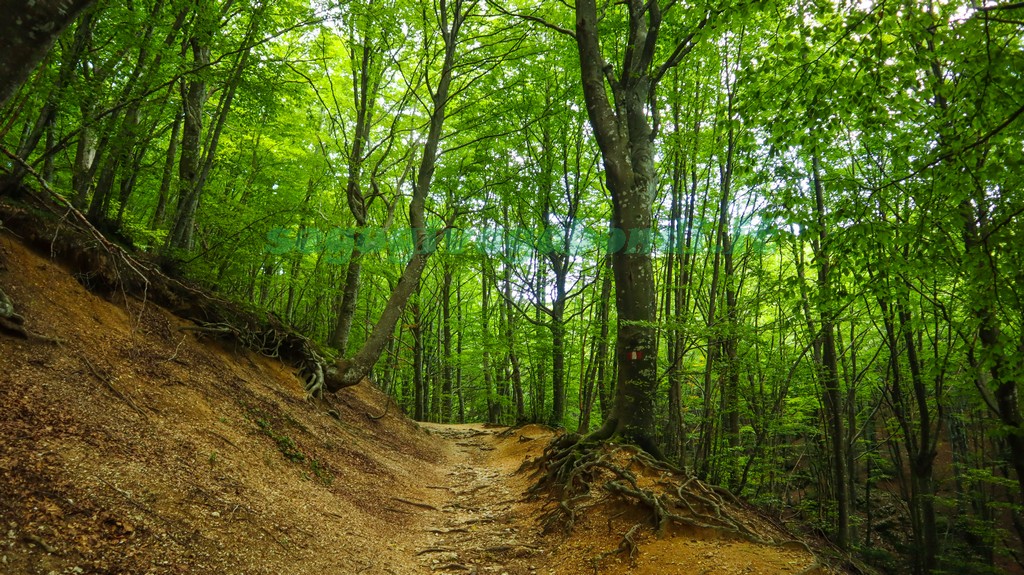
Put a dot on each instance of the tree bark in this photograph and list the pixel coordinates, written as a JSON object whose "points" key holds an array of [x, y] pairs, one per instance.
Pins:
{"points": [[349, 372], [601, 357], [447, 374], [27, 32], [419, 385], [485, 304], [160, 214], [626, 141], [193, 98], [365, 104], [516, 373], [832, 397]]}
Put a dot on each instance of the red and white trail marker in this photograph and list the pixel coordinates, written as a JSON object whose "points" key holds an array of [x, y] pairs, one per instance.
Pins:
{"points": [[636, 355]]}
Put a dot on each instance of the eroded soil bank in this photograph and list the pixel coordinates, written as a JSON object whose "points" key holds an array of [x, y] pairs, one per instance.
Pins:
{"points": [[130, 446]]}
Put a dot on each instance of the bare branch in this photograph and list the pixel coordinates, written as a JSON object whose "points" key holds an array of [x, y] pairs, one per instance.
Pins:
{"points": [[681, 50], [532, 18]]}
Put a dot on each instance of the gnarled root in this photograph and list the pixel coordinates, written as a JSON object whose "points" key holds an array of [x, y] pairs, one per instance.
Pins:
{"points": [[10, 322], [574, 471], [273, 341], [313, 377]]}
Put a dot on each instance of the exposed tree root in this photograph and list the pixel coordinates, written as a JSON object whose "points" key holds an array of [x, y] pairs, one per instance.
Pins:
{"points": [[578, 473], [107, 267], [415, 503], [11, 323], [628, 545], [105, 379]]}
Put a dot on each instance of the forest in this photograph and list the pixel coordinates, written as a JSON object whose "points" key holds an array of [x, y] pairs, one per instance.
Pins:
{"points": [[778, 244]]}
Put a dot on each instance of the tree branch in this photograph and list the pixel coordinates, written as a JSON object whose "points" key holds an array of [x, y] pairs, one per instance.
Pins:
{"points": [[532, 18]]}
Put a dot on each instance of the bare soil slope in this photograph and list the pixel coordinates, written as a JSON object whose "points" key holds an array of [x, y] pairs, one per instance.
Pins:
{"points": [[133, 447], [130, 446]]}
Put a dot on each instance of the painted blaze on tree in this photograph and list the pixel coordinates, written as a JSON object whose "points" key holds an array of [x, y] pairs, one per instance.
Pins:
{"points": [[626, 140]]}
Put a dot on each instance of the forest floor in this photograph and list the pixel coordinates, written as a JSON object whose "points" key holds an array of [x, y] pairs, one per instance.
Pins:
{"points": [[130, 445]]}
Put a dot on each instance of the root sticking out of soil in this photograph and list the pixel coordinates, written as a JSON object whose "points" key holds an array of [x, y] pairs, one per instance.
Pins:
{"points": [[138, 445], [577, 475], [53, 224]]}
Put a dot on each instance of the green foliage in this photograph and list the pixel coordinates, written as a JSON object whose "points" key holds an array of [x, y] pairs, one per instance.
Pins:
{"points": [[911, 113], [287, 446], [284, 443]]}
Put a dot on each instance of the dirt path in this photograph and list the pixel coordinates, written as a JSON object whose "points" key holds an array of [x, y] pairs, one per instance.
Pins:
{"points": [[476, 525], [477, 520], [135, 447]]}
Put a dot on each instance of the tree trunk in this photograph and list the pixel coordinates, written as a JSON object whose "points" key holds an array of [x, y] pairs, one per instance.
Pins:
{"points": [[510, 342], [348, 372], [447, 376], [347, 302], [458, 353], [27, 32], [730, 377], [832, 397], [485, 303], [196, 160], [365, 104], [419, 386], [626, 141], [601, 358], [708, 441], [557, 327], [48, 113], [160, 214], [996, 348], [189, 165]]}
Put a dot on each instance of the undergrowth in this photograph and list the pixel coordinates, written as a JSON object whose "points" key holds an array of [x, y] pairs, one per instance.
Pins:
{"points": [[288, 448]]}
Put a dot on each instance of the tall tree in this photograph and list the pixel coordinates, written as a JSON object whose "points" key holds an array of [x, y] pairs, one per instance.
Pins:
{"points": [[451, 16], [625, 136]]}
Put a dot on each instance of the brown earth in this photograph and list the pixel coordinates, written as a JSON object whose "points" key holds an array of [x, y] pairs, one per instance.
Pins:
{"points": [[130, 446]]}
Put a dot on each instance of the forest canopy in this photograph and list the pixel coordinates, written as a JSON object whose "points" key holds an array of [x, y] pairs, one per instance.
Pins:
{"points": [[779, 244]]}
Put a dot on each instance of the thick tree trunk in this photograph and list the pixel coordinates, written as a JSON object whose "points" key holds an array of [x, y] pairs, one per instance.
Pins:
{"points": [[83, 168], [27, 32], [189, 164], [627, 148], [347, 303]]}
